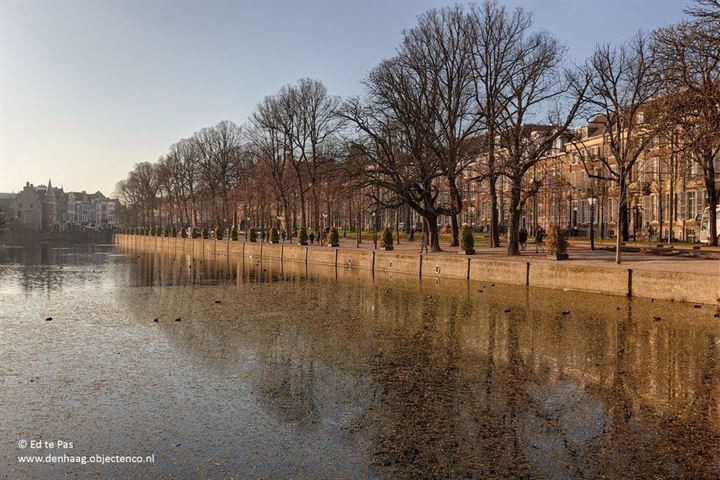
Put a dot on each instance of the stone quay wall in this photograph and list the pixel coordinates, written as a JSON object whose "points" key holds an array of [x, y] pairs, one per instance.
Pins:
{"points": [[665, 285]]}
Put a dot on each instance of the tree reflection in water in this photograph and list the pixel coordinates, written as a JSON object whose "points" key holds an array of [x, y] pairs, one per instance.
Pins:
{"points": [[436, 379]]}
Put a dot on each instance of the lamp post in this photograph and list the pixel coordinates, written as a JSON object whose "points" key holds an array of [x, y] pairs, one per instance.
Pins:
{"points": [[374, 230], [358, 227], [592, 201]]}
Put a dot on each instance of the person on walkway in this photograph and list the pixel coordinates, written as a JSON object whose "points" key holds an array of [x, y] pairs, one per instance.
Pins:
{"points": [[523, 238], [539, 235], [311, 237]]}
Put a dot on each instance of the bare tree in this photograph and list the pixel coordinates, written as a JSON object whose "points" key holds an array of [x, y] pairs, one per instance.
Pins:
{"points": [[219, 153], [440, 48], [268, 145], [393, 151], [690, 106], [536, 83], [496, 34], [622, 82], [316, 122], [139, 192]]}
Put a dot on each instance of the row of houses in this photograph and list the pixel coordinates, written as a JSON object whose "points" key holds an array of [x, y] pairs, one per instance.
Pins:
{"points": [[51, 209], [666, 192]]}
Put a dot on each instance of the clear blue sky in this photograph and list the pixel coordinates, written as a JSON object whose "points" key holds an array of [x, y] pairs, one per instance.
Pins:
{"points": [[89, 88]]}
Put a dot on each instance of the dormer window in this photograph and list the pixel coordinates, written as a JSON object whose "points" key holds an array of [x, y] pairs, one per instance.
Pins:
{"points": [[640, 118]]}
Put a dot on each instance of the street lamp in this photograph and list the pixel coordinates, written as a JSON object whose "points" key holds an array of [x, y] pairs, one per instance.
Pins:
{"points": [[374, 230], [592, 201]]}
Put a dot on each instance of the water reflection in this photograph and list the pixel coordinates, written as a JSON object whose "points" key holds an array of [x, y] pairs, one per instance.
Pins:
{"points": [[353, 376], [47, 267], [503, 383]]}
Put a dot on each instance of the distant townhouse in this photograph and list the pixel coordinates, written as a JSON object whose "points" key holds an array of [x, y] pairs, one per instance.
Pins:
{"points": [[47, 208]]}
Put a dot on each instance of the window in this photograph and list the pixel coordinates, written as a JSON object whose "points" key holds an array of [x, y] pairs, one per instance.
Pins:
{"points": [[690, 206]]}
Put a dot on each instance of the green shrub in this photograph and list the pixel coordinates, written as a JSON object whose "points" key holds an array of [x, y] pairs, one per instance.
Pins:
{"points": [[195, 233], [252, 236], [167, 231], [302, 236], [557, 241], [205, 233], [387, 238], [234, 233], [274, 235], [158, 231], [174, 232], [333, 237], [218, 232], [183, 232], [467, 241]]}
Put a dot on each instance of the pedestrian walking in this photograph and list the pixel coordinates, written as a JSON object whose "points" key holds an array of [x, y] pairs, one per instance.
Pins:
{"points": [[312, 238], [523, 238], [539, 235]]}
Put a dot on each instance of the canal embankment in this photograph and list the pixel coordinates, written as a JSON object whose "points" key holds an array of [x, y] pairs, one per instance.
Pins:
{"points": [[675, 285]]}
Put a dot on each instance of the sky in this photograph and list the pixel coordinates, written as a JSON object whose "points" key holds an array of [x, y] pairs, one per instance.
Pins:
{"points": [[90, 88]]}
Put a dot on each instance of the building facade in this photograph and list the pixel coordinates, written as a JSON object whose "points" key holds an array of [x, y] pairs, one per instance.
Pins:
{"points": [[48, 209], [666, 192]]}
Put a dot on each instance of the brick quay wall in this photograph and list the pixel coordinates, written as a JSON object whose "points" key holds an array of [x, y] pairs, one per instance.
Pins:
{"points": [[666, 285]]}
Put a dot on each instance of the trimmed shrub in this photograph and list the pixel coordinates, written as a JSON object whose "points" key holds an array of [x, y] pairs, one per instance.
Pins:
{"points": [[183, 232], [252, 236], [205, 233], [218, 233], [333, 238], [387, 239], [467, 241], [274, 235], [158, 231], [234, 233], [557, 241], [173, 232], [167, 231], [195, 233], [302, 236]]}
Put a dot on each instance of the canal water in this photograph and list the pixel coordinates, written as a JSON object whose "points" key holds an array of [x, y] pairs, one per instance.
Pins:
{"points": [[231, 369]]}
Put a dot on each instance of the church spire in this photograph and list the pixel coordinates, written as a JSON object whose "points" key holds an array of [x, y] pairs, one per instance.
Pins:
{"points": [[50, 191]]}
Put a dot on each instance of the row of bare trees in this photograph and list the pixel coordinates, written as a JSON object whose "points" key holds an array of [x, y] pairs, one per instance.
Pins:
{"points": [[473, 94]]}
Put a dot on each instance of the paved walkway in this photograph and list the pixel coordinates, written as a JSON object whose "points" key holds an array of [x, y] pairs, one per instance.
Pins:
{"points": [[579, 254]]}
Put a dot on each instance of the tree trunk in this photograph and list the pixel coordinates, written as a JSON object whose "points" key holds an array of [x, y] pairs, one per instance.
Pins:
{"points": [[434, 232], [456, 208], [623, 218], [454, 242], [515, 210], [712, 199], [622, 207], [494, 216], [301, 194]]}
